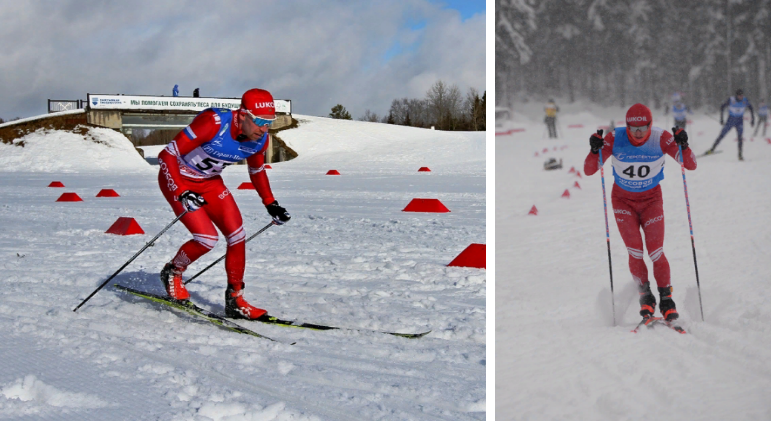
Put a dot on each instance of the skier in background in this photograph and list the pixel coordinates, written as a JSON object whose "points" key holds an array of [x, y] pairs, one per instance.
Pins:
{"points": [[638, 151], [736, 106], [551, 118], [189, 179], [762, 118], [175, 91], [679, 110]]}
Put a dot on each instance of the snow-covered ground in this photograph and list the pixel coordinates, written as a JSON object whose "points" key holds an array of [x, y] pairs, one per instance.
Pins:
{"points": [[558, 355], [349, 257]]}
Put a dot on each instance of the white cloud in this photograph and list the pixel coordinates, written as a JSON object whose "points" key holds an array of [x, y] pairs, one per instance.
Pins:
{"points": [[316, 53]]}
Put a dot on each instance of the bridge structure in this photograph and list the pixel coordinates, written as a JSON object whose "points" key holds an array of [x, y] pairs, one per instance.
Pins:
{"points": [[127, 113]]}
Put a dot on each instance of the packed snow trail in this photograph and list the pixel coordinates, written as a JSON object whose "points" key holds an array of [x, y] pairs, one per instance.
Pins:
{"points": [[558, 356], [348, 257]]}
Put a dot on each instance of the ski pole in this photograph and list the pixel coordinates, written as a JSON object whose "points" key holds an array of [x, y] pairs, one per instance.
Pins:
{"points": [[607, 233], [690, 226], [131, 260], [223, 256]]}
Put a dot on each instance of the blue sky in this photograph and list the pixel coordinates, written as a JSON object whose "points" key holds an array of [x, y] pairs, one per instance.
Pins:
{"points": [[467, 8]]}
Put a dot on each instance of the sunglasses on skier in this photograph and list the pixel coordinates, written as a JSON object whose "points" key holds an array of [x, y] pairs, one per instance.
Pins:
{"points": [[641, 129], [259, 121]]}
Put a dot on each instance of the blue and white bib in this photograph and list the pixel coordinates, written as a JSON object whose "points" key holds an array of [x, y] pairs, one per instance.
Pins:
{"points": [[678, 111], [638, 168], [212, 157], [736, 108]]}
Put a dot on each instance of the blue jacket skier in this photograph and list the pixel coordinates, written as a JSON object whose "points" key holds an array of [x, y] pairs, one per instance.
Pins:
{"points": [[736, 106]]}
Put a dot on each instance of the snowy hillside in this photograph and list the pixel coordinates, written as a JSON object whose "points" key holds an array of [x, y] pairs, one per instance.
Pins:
{"points": [[349, 257], [558, 355], [93, 149]]}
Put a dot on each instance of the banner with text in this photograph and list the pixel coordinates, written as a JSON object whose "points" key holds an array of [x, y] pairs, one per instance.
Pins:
{"points": [[128, 102]]}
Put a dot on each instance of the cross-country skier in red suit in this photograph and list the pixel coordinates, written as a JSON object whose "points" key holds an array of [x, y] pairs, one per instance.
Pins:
{"points": [[190, 180], [638, 166]]}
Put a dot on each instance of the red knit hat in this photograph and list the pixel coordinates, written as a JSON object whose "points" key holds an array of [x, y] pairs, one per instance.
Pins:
{"points": [[638, 115], [259, 103]]}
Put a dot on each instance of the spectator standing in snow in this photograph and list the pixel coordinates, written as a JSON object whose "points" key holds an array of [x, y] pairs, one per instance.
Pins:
{"points": [[736, 106], [762, 118], [189, 178], [638, 150], [551, 110], [175, 91]]}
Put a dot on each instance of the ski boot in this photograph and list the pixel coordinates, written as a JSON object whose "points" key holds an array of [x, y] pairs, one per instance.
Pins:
{"points": [[647, 301], [710, 151], [171, 276], [236, 306], [667, 305]]}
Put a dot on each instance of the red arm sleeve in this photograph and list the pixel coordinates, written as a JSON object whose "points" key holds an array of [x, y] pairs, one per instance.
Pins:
{"points": [[592, 161], [201, 130], [259, 177], [669, 147]]}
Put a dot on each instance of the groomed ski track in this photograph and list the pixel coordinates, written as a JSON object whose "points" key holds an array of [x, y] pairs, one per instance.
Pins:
{"points": [[349, 257], [558, 356]]}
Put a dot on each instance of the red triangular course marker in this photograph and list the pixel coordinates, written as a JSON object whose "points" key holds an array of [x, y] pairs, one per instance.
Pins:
{"points": [[473, 257], [425, 205], [69, 197], [566, 194], [572, 170], [576, 185], [107, 193], [125, 226], [268, 167], [246, 186], [578, 174], [56, 184], [533, 211], [333, 172], [424, 169]]}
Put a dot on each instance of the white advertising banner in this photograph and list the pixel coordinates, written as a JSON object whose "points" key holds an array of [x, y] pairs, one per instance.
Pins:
{"points": [[128, 102]]}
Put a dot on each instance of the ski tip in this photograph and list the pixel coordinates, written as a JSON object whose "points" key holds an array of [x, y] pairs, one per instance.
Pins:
{"points": [[410, 335]]}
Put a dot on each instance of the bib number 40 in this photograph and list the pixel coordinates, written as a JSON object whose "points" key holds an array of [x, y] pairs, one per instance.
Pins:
{"points": [[642, 171]]}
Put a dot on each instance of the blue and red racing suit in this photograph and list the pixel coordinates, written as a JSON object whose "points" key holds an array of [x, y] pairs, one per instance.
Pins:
{"points": [[636, 195], [193, 161]]}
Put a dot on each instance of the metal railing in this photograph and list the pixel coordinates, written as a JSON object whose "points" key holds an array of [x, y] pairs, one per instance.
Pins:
{"points": [[57, 105]]}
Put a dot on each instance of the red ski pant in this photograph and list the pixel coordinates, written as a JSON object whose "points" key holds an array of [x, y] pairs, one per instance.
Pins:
{"points": [[646, 212], [221, 210]]}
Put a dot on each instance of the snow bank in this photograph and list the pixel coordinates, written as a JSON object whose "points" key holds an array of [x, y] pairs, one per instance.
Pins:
{"points": [[96, 149], [323, 141]]}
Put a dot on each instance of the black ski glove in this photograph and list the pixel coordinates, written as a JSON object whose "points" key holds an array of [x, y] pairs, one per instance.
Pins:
{"points": [[596, 141], [279, 214], [681, 137], [192, 201]]}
